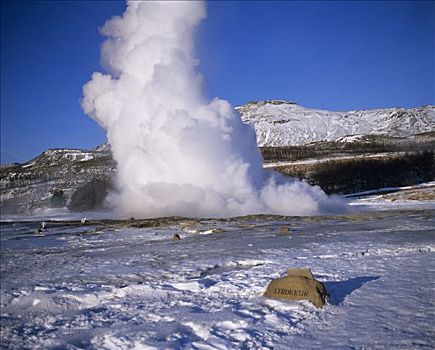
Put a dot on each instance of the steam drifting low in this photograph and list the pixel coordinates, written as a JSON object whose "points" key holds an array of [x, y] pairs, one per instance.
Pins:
{"points": [[176, 152]]}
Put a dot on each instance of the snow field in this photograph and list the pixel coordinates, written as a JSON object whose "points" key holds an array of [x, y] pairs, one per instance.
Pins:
{"points": [[136, 288]]}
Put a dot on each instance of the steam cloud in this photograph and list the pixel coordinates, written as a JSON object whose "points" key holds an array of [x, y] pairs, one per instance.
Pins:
{"points": [[176, 152]]}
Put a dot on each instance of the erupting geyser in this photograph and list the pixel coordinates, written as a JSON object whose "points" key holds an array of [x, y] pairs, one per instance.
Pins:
{"points": [[176, 152]]}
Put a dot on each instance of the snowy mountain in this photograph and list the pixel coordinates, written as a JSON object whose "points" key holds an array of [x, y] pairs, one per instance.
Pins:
{"points": [[79, 179], [280, 123], [56, 178]]}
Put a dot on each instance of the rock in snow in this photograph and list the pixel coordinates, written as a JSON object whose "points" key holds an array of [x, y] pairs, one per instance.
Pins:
{"points": [[299, 284]]}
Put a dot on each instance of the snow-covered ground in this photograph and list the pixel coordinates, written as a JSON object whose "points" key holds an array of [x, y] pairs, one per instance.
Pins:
{"points": [[420, 197], [328, 159], [107, 285]]}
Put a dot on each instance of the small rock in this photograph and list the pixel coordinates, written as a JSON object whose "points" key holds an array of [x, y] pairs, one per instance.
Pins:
{"points": [[96, 231], [299, 284], [217, 230], [176, 237], [284, 229]]}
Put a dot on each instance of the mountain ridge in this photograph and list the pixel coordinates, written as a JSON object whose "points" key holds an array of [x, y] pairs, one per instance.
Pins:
{"points": [[280, 123], [79, 178]]}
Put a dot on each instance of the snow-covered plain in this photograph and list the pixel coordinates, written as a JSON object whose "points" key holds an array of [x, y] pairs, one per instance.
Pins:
{"points": [[108, 285]]}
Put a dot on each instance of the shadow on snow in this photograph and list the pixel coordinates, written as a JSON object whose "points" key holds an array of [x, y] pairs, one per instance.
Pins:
{"points": [[339, 290]]}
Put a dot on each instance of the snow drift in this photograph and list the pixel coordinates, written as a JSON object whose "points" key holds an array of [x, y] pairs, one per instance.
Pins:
{"points": [[176, 152]]}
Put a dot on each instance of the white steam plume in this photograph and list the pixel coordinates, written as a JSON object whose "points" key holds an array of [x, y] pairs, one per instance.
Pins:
{"points": [[176, 152]]}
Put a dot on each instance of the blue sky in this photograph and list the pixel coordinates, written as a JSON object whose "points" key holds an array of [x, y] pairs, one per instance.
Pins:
{"points": [[333, 55]]}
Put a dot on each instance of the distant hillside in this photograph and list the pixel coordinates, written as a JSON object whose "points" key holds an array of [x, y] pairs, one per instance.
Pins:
{"points": [[75, 178], [280, 123], [394, 147]]}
